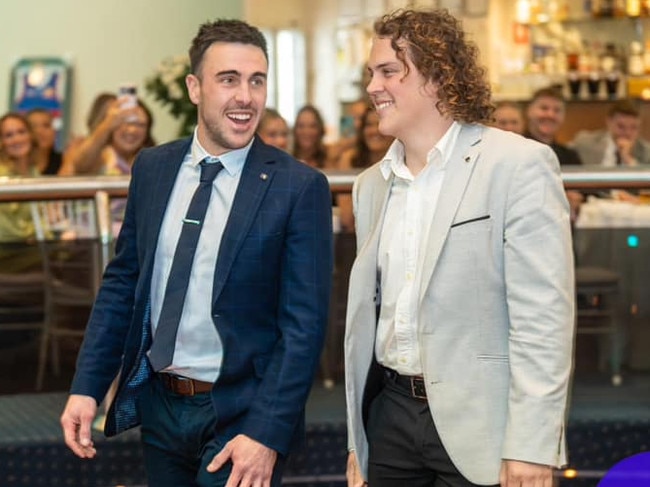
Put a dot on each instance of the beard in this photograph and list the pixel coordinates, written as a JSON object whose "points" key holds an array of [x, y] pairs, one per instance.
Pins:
{"points": [[221, 135]]}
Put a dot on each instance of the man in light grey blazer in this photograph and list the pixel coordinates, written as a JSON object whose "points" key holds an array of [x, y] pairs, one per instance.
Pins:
{"points": [[460, 318], [619, 144]]}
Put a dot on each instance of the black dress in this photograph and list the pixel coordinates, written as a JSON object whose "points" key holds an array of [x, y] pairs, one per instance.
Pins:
{"points": [[54, 164]]}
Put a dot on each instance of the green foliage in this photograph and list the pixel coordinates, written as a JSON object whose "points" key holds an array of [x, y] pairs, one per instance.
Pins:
{"points": [[167, 85]]}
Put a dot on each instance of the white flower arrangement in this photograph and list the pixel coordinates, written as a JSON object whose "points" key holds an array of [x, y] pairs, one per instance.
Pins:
{"points": [[167, 85]]}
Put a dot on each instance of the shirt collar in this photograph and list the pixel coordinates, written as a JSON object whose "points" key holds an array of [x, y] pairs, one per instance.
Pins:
{"points": [[233, 161], [438, 156]]}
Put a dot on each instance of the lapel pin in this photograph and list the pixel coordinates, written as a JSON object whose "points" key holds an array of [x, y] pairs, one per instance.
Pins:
{"points": [[264, 176]]}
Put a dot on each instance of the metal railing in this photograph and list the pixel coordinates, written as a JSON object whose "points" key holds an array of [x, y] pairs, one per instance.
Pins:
{"points": [[57, 187]]}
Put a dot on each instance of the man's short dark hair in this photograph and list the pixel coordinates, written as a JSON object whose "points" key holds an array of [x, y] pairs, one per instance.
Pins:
{"points": [[624, 107], [552, 91], [223, 30]]}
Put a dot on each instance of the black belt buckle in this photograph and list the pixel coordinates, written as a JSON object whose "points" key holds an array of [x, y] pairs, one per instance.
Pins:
{"points": [[418, 390]]}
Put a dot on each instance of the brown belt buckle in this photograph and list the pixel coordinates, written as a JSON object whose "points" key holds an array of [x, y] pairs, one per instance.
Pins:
{"points": [[184, 382], [418, 390]]}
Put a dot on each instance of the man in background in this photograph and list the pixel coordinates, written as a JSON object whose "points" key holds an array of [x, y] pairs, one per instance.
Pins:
{"points": [[544, 117], [619, 144]]}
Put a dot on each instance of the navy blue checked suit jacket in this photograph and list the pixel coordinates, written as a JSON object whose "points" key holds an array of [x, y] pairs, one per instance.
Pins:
{"points": [[270, 296]]}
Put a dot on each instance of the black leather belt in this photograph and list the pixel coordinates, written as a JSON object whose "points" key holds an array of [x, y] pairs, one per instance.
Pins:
{"points": [[184, 385], [411, 385]]}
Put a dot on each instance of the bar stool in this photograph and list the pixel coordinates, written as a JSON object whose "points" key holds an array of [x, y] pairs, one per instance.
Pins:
{"points": [[596, 314]]}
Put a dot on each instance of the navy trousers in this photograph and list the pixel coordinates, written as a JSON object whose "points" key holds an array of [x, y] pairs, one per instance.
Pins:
{"points": [[179, 440]]}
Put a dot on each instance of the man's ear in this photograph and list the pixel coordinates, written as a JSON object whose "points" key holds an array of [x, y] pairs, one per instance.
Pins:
{"points": [[193, 84]]}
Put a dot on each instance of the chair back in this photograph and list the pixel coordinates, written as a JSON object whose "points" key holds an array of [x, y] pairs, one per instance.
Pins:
{"points": [[74, 234], [74, 238]]}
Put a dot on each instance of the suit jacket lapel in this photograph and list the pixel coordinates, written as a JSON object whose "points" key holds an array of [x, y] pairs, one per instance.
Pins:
{"points": [[458, 171], [162, 185], [381, 191], [256, 177]]}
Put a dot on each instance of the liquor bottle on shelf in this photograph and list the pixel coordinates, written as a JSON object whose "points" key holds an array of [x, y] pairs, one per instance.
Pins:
{"points": [[610, 67], [633, 8], [646, 58], [635, 60], [602, 8]]}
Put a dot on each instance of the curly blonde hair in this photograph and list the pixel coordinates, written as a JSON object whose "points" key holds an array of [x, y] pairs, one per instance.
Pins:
{"points": [[437, 46]]}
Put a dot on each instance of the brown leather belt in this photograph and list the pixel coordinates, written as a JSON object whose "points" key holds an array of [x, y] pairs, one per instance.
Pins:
{"points": [[410, 385], [184, 385]]}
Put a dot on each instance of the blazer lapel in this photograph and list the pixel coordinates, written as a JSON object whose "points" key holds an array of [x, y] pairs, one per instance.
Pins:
{"points": [[162, 182], [458, 171], [256, 177]]}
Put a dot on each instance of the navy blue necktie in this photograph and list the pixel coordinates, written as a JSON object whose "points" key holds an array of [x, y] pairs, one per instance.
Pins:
{"points": [[164, 340]]}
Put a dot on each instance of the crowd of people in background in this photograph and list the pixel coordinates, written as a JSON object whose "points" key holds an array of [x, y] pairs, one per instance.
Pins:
{"points": [[425, 125], [116, 133]]}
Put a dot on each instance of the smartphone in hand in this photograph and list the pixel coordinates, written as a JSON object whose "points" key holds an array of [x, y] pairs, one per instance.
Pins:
{"points": [[128, 95]]}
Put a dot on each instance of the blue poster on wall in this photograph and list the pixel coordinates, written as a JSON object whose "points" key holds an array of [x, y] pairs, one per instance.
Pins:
{"points": [[43, 83]]}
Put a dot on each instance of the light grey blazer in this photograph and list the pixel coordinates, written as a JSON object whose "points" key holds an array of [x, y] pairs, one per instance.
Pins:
{"points": [[496, 317], [591, 146]]}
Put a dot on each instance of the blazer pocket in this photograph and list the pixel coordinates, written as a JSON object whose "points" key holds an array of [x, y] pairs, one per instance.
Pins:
{"points": [[471, 220], [486, 357]]}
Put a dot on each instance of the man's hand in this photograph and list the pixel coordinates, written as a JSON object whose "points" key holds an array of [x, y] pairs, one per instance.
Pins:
{"points": [[352, 472], [252, 462], [77, 420], [524, 474], [624, 147]]}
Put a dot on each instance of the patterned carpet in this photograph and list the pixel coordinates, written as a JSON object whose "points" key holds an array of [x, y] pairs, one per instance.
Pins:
{"points": [[606, 425]]}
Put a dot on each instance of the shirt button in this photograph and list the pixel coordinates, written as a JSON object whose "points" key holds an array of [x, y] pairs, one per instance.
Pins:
{"points": [[409, 276]]}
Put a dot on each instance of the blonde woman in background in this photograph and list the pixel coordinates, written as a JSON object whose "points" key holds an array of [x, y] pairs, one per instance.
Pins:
{"points": [[95, 115], [18, 158], [273, 129], [111, 147]]}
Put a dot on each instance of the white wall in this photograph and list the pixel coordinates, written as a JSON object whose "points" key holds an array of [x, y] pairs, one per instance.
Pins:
{"points": [[115, 41], [107, 43]]}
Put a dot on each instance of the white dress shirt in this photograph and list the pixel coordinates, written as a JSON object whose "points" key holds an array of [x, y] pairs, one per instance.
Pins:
{"points": [[198, 352], [411, 205]]}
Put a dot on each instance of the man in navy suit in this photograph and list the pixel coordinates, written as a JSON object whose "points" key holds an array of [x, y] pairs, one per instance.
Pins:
{"points": [[229, 406]]}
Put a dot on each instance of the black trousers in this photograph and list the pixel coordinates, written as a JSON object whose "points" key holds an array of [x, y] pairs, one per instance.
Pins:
{"points": [[405, 449]]}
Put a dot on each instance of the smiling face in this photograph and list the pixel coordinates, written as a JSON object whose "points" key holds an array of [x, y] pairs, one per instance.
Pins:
{"points": [[15, 138], [401, 95], [509, 118], [275, 132], [41, 123], [545, 116], [230, 92], [374, 139], [130, 136], [308, 130]]}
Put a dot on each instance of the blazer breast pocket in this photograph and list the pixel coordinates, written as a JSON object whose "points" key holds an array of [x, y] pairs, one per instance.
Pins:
{"points": [[470, 221], [468, 245]]}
